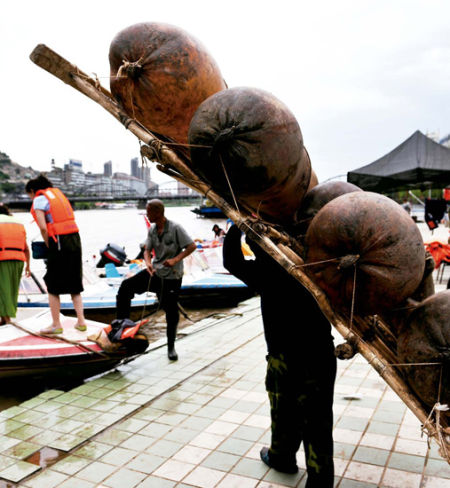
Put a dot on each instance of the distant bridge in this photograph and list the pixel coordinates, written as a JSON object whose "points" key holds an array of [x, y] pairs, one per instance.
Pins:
{"points": [[25, 203]]}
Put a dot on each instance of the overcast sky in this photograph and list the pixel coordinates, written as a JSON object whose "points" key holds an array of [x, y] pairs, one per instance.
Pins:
{"points": [[360, 76]]}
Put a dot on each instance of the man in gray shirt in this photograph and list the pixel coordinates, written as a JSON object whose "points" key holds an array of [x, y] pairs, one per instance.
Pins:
{"points": [[163, 275]]}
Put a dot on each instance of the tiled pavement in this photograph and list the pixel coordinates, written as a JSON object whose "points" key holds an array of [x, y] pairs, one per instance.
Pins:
{"points": [[200, 422]]}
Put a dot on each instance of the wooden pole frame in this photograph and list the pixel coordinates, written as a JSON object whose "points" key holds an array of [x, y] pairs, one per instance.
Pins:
{"points": [[276, 243]]}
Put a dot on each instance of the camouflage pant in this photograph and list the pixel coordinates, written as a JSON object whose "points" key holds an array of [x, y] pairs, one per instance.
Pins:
{"points": [[301, 401]]}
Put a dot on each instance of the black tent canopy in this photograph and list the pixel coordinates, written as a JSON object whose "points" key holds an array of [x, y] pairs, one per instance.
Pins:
{"points": [[417, 163]]}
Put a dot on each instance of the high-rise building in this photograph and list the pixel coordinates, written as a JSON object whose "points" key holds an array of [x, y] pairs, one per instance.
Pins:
{"points": [[135, 169], [107, 168], [146, 176], [75, 165]]}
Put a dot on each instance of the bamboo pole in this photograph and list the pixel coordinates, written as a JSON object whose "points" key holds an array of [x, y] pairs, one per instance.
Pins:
{"points": [[171, 164]]}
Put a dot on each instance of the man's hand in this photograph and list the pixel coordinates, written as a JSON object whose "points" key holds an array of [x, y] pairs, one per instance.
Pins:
{"points": [[169, 263], [150, 268]]}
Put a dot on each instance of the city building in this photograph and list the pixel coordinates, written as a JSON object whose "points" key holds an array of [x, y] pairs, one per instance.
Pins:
{"points": [[135, 169], [107, 168]]}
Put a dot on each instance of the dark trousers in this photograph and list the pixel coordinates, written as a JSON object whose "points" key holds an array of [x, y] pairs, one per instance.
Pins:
{"points": [[166, 290], [301, 407]]}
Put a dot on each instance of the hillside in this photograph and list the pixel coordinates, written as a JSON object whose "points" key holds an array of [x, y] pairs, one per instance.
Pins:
{"points": [[13, 176]]}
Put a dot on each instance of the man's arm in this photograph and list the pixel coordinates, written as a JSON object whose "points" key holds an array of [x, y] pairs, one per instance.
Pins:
{"points": [[234, 261], [148, 261], [179, 257]]}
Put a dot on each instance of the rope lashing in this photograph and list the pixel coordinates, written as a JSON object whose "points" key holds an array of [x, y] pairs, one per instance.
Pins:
{"points": [[348, 260], [131, 69]]}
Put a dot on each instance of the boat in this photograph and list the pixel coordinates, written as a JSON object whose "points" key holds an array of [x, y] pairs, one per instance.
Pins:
{"points": [[24, 353], [206, 284], [209, 212]]}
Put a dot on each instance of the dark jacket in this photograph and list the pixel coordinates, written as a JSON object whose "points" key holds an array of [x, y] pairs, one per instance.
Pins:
{"points": [[293, 322]]}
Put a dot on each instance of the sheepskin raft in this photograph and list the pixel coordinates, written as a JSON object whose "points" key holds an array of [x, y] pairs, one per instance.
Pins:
{"points": [[369, 335]]}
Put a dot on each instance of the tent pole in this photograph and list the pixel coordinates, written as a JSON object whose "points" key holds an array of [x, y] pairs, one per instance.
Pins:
{"points": [[414, 196]]}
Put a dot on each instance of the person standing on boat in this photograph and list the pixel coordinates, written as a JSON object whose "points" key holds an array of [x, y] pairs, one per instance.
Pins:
{"points": [[54, 216], [163, 275], [301, 365], [14, 252]]}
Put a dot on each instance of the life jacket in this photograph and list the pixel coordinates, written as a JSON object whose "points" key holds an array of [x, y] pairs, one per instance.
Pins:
{"points": [[13, 239], [61, 212]]}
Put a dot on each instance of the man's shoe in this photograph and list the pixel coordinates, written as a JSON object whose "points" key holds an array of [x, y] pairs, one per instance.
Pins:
{"points": [[172, 354], [277, 465]]}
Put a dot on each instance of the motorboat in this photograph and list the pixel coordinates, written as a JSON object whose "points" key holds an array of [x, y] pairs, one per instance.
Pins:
{"points": [[26, 353]]}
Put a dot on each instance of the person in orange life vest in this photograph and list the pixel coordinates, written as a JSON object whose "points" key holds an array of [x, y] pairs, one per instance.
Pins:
{"points": [[54, 216], [14, 252]]}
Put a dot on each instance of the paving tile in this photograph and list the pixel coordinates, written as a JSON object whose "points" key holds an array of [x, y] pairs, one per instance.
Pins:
{"points": [[192, 454], [251, 468], [118, 456], [352, 423], [124, 478], [346, 436], [93, 450], [96, 472], [235, 446], [9, 425], [155, 482], [394, 478], [383, 428], [77, 483], [18, 471], [204, 477], [6, 442], [181, 435], [71, 464], [208, 441], [46, 479], [221, 428], [66, 442], [164, 448], [6, 461], [113, 436], [407, 462], [132, 425], [174, 470], [155, 429], [21, 450], [435, 482], [146, 463], [248, 433], [364, 472], [347, 483], [282, 479], [370, 455], [221, 460], [236, 481], [377, 440], [196, 423], [437, 467], [411, 447], [138, 442]]}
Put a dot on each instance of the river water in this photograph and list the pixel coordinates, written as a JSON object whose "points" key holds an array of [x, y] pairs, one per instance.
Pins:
{"points": [[125, 227]]}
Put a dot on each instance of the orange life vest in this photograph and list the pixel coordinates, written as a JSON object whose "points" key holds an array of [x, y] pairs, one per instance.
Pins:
{"points": [[61, 212], [13, 239]]}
